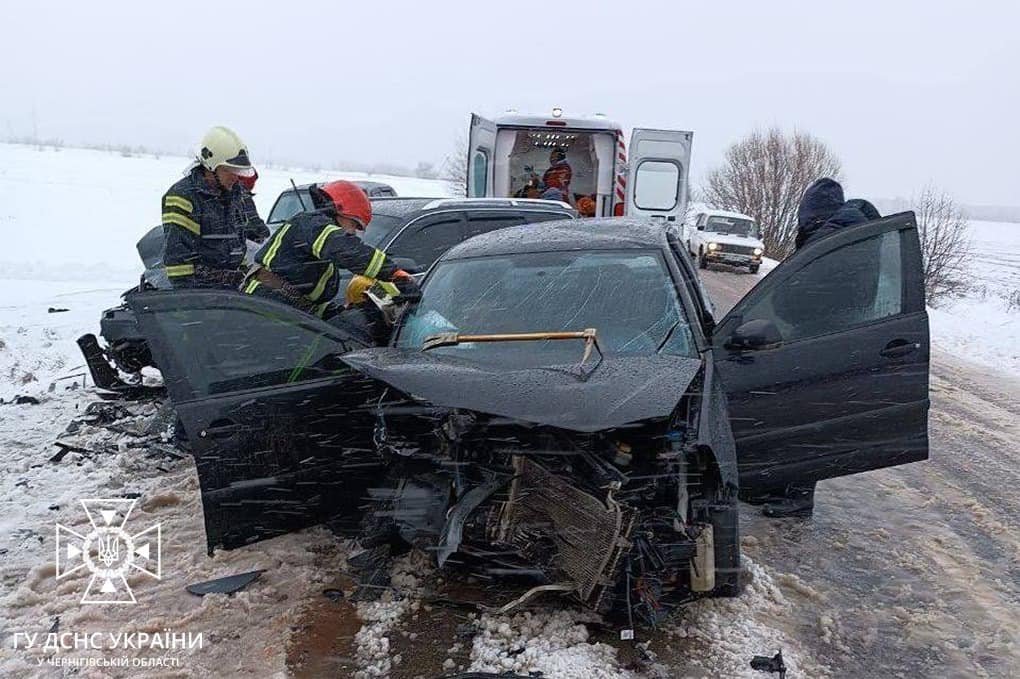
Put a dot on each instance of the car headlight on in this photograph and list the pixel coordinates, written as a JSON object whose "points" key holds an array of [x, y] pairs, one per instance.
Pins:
{"points": [[758, 252], [713, 246]]}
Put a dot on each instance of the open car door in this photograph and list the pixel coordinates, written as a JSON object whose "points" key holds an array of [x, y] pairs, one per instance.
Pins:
{"points": [[481, 153], [278, 424], [658, 173], [825, 361]]}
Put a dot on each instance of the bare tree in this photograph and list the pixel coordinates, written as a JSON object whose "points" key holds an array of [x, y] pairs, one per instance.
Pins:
{"points": [[945, 242], [764, 175], [455, 167]]}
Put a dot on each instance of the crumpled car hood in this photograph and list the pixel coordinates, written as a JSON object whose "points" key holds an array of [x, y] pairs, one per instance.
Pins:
{"points": [[620, 391]]}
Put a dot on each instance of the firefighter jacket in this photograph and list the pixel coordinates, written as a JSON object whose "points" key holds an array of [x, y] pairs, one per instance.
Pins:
{"points": [[204, 229], [308, 251]]}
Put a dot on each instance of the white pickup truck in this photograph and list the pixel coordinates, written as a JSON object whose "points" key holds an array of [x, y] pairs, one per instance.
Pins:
{"points": [[723, 237]]}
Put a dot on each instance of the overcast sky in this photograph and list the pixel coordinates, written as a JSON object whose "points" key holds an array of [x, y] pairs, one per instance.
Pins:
{"points": [[904, 92]]}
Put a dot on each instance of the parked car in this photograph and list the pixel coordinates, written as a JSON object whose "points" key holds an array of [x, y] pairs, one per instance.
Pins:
{"points": [[291, 201], [413, 230], [724, 237], [560, 403]]}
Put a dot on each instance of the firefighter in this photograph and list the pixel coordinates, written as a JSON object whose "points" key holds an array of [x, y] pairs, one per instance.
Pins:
{"points": [[208, 214], [301, 263]]}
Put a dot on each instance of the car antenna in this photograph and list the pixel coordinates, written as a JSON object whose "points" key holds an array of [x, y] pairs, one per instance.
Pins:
{"points": [[298, 194]]}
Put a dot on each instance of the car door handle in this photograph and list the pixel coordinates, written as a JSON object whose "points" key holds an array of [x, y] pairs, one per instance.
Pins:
{"points": [[898, 348], [220, 429]]}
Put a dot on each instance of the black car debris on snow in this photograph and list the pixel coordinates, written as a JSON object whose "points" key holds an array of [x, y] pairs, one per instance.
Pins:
{"points": [[560, 405]]}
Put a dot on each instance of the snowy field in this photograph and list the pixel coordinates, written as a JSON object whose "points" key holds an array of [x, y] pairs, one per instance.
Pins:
{"points": [[71, 219], [984, 324], [76, 214]]}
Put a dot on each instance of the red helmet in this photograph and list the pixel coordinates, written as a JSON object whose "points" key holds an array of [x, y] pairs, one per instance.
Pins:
{"points": [[350, 200]]}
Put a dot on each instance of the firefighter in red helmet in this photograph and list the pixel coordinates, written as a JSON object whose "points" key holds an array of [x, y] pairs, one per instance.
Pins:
{"points": [[301, 262]]}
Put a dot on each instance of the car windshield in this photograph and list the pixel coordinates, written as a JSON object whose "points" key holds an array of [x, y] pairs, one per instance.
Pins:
{"points": [[627, 296], [733, 225]]}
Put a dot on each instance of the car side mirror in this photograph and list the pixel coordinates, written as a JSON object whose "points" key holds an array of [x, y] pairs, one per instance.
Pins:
{"points": [[755, 335], [407, 264], [701, 228]]}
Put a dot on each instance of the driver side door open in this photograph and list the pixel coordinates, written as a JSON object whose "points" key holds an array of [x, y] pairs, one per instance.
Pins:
{"points": [[825, 361], [280, 427]]}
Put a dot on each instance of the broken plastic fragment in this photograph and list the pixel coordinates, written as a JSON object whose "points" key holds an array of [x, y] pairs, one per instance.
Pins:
{"points": [[227, 585]]}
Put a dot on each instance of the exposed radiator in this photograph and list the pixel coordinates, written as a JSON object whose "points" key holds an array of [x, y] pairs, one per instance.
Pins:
{"points": [[589, 535]]}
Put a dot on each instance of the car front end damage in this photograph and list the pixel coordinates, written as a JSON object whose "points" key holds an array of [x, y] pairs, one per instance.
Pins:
{"points": [[629, 520]]}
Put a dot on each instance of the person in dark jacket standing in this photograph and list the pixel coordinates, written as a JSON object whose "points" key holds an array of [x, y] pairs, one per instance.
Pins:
{"points": [[300, 264], [822, 212], [207, 215]]}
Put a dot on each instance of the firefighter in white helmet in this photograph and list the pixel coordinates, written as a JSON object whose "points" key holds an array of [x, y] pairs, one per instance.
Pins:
{"points": [[207, 215]]}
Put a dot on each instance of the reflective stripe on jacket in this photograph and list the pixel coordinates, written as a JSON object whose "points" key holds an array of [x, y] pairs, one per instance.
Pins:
{"points": [[309, 251], [204, 229]]}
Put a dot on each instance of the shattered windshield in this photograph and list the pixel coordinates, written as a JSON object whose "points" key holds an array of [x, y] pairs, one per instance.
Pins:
{"points": [[733, 226], [627, 296]]}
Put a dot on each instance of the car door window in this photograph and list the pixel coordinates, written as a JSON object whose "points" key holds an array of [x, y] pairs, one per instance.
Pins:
{"points": [[854, 285], [479, 223], [235, 348], [533, 217], [425, 242]]}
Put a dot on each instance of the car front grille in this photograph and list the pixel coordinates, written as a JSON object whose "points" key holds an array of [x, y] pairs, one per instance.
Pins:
{"points": [[736, 249]]}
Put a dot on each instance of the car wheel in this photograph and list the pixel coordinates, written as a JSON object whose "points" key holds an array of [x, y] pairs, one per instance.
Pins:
{"points": [[753, 268], [702, 262]]}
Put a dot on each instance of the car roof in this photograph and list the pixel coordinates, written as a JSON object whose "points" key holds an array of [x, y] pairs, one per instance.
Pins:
{"points": [[604, 233], [404, 207], [726, 213], [397, 206]]}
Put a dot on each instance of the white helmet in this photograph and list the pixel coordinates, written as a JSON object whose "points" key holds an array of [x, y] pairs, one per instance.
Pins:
{"points": [[222, 146]]}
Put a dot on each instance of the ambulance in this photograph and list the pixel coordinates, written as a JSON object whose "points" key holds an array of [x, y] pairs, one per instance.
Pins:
{"points": [[582, 161]]}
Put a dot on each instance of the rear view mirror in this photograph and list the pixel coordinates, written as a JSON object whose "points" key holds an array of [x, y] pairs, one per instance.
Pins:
{"points": [[754, 335], [407, 264]]}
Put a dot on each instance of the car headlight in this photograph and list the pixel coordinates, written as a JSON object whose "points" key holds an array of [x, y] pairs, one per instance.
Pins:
{"points": [[758, 252], [713, 246]]}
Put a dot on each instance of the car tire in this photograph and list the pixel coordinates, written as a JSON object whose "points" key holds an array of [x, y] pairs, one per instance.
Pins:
{"points": [[702, 262], [753, 268]]}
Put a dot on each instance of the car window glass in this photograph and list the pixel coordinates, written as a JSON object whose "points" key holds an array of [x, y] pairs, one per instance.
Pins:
{"points": [[379, 229], [425, 243], [628, 297], [478, 224], [480, 173], [657, 185], [851, 286], [288, 205], [533, 217], [230, 349]]}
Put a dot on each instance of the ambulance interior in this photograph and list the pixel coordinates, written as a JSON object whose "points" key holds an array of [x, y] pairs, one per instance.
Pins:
{"points": [[524, 156]]}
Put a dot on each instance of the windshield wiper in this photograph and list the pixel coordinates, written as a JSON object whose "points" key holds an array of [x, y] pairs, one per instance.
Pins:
{"points": [[449, 339]]}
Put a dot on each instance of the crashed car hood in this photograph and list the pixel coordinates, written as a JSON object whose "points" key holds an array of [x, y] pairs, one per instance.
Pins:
{"points": [[620, 391]]}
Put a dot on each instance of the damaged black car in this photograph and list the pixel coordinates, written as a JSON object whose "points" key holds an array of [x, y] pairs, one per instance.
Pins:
{"points": [[560, 405]]}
